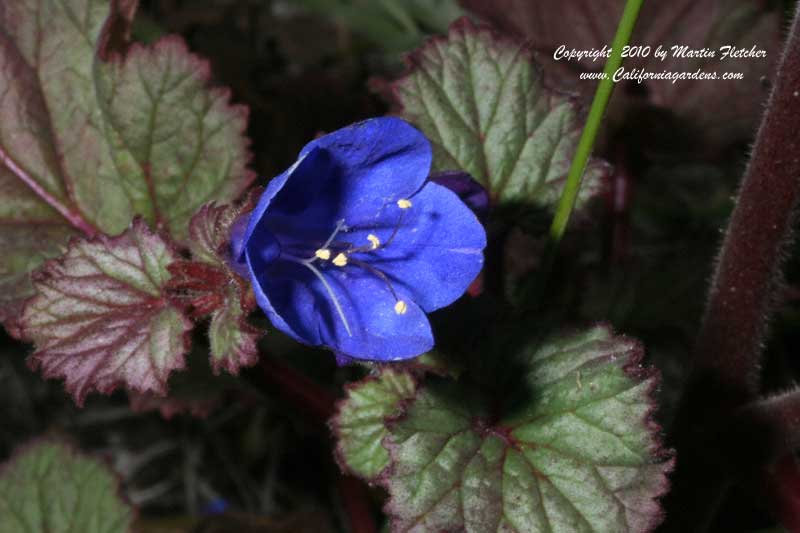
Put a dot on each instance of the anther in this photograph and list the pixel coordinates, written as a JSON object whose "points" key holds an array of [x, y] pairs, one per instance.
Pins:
{"points": [[373, 240], [400, 307], [323, 253], [340, 260], [403, 203]]}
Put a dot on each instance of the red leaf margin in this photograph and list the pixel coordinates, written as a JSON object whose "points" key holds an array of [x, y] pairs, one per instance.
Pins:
{"points": [[211, 284], [171, 406], [462, 28], [74, 451], [79, 379], [663, 458], [176, 46], [335, 421], [114, 46]]}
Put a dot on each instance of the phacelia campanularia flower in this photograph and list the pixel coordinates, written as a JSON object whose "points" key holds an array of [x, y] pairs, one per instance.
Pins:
{"points": [[352, 245]]}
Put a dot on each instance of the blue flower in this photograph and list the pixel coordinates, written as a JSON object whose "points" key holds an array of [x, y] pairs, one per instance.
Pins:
{"points": [[352, 245]]}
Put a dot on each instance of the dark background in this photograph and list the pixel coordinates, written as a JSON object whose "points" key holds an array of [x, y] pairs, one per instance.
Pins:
{"points": [[304, 67]]}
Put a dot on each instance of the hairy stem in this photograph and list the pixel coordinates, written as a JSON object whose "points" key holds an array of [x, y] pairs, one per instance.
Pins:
{"points": [[732, 334], [730, 343], [771, 425], [762, 432]]}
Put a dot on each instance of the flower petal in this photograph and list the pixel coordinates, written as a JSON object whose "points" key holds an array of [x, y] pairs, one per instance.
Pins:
{"points": [[285, 292], [379, 333], [436, 253], [283, 198], [375, 161], [299, 304]]}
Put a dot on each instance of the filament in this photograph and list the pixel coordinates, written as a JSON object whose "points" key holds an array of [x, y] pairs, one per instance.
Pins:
{"points": [[372, 241], [322, 252], [339, 226], [396, 229], [307, 263], [343, 258], [378, 273]]}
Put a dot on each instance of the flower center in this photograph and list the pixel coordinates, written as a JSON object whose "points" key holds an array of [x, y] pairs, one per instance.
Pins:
{"points": [[340, 256]]}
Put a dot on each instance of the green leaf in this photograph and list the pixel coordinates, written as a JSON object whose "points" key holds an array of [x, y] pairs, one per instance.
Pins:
{"points": [[359, 421], [232, 339], [90, 137], [481, 101], [209, 233], [25, 248], [571, 448], [175, 143], [48, 488], [100, 317]]}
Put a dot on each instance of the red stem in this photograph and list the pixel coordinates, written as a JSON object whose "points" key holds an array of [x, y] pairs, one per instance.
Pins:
{"points": [[319, 403], [781, 484], [743, 291], [354, 499], [729, 345], [298, 389]]}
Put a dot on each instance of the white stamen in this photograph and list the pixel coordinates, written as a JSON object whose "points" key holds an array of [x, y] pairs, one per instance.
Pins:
{"points": [[339, 227], [403, 203], [340, 260], [400, 307], [323, 252], [373, 240]]}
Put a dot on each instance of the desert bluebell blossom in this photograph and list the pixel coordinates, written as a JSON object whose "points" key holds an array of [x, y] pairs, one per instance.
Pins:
{"points": [[352, 245]]}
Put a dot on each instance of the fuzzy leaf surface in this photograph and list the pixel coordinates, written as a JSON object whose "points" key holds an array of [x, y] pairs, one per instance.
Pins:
{"points": [[209, 232], [575, 451], [232, 339], [48, 488], [25, 248], [482, 102], [100, 318], [360, 422], [87, 143]]}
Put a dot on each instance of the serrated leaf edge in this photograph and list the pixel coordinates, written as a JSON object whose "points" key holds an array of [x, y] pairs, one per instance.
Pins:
{"points": [[245, 298], [465, 25], [335, 421], [202, 69], [44, 270], [633, 368], [74, 452]]}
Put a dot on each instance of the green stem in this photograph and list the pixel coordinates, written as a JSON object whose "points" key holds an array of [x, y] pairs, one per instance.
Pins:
{"points": [[567, 201]]}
